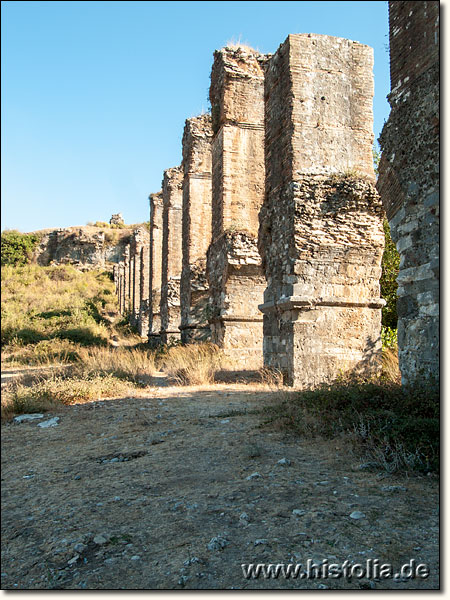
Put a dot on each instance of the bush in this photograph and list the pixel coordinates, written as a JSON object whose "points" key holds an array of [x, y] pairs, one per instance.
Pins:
{"points": [[17, 248], [389, 337]]}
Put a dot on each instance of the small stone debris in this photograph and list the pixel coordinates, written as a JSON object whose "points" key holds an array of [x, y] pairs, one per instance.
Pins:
{"points": [[32, 417], [73, 560], [53, 422], [80, 548], [225, 421], [393, 488], [284, 462], [101, 538], [298, 512], [136, 557], [192, 561], [254, 475], [77, 477], [261, 542], [357, 514], [218, 543]]}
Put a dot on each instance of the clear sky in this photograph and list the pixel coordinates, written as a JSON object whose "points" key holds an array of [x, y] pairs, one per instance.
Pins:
{"points": [[95, 94]]}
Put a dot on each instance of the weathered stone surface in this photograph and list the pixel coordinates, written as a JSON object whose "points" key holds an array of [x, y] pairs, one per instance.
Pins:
{"points": [[83, 247], [116, 219], [321, 235], [156, 222], [171, 253], [409, 181], [236, 285], [237, 101], [196, 226]]}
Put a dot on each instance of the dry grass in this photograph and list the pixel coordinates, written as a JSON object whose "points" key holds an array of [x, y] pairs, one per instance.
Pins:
{"points": [[195, 364], [234, 44], [132, 364], [47, 394], [390, 367]]}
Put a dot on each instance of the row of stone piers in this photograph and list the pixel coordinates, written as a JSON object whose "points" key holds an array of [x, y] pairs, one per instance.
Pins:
{"points": [[267, 240]]}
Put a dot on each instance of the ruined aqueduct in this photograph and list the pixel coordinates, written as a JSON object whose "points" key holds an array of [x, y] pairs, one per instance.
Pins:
{"points": [[268, 238]]}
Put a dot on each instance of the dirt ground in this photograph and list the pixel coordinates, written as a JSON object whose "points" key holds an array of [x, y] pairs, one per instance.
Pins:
{"points": [[179, 487]]}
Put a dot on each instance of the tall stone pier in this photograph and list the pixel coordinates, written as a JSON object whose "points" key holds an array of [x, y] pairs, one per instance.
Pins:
{"points": [[196, 228], [235, 276], [172, 192], [139, 288], [126, 280], [156, 226], [409, 181], [321, 234]]}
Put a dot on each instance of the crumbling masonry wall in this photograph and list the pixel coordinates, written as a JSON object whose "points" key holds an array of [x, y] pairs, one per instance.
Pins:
{"points": [[172, 191], [235, 275], [409, 181], [196, 228], [321, 234], [156, 223]]}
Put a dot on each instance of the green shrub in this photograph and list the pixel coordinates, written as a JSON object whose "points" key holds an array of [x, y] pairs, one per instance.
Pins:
{"points": [[17, 248], [388, 283], [389, 337]]}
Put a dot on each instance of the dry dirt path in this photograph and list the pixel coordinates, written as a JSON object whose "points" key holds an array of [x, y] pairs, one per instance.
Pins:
{"points": [[178, 488]]}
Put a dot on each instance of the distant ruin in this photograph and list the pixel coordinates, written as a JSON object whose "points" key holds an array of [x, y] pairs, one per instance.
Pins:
{"points": [[268, 238], [409, 181]]}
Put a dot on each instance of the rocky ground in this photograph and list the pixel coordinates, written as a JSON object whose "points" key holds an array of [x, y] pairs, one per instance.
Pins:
{"points": [[181, 486]]}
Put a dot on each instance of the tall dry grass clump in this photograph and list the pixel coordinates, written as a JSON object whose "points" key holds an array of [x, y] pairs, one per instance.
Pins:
{"points": [[194, 364], [132, 364], [50, 393]]}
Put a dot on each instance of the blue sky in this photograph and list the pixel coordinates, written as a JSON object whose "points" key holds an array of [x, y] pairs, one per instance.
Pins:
{"points": [[95, 94]]}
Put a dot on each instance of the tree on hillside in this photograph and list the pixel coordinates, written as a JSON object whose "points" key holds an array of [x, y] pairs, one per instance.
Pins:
{"points": [[17, 248]]}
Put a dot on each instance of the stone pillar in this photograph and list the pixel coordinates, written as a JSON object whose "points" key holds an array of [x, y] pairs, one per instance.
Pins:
{"points": [[121, 288], [171, 254], [126, 280], [196, 228], [321, 235], [235, 275], [144, 277], [139, 239], [156, 212], [409, 181]]}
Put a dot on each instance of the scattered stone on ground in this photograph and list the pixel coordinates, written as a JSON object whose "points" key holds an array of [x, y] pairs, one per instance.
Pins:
{"points": [[188, 513]]}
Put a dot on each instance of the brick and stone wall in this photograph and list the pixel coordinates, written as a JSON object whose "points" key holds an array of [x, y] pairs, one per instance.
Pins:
{"points": [[196, 228], [321, 235], [156, 224], [234, 269], [409, 181], [171, 254]]}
